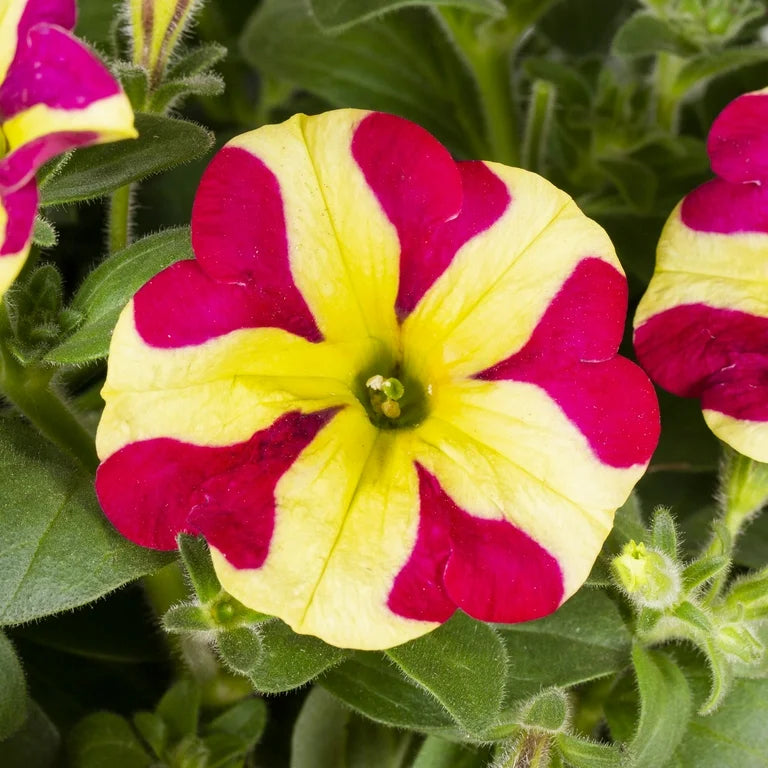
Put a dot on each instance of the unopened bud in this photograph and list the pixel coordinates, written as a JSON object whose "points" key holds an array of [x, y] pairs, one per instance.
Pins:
{"points": [[650, 578]]}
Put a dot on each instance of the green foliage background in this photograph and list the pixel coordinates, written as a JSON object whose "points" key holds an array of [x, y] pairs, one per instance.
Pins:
{"points": [[611, 100]]}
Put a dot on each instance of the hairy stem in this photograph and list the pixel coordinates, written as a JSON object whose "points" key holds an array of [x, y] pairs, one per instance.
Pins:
{"points": [[120, 207]]}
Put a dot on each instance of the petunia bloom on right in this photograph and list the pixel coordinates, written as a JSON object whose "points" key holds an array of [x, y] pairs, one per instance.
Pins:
{"points": [[701, 330]]}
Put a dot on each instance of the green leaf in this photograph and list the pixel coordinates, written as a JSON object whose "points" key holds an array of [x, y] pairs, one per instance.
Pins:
{"points": [[106, 739], [721, 671], [583, 753], [636, 182], [243, 724], [370, 683], [665, 708], [698, 71], [57, 550], [537, 125], [439, 753], [701, 571], [462, 664], [110, 287], [188, 617], [584, 639], [44, 235], [93, 172], [644, 34], [336, 15], [735, 735], [13, 693], [34, 745], [546, 711], [180, 708], [319, 736], [570, 83], [153, 730], [664, 532], [171, 92], [274, 657], [328, 735], [196, 60], [403, 64]]}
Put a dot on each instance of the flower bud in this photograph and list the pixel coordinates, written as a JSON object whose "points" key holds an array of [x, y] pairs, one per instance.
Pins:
{"points": [[649, 577], [157, 26]]}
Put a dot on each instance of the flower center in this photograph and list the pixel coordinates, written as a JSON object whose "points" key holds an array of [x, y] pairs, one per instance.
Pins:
{"points": [[392, 402]]}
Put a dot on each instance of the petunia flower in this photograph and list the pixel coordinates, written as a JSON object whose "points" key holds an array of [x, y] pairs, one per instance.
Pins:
{"points": [[386, 388], [702, 327], [54, 95]]}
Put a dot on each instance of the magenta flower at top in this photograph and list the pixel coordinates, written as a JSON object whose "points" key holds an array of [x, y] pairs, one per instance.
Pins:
{"points": [[54, 95], [386, 388], [701, 330]]}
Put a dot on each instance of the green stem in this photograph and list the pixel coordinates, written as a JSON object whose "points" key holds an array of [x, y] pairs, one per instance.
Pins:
{"points": [[120, 205], [667, 98], [30, 389], [494, 78]]}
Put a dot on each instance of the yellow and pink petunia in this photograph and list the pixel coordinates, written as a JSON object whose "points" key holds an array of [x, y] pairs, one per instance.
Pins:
{"points": [[386, 388], [55, 95], [701, 330]]}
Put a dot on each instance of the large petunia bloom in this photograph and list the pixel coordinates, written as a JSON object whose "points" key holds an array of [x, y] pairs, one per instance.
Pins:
{"points": [[54, 95], [701, 330], [386, 387]]}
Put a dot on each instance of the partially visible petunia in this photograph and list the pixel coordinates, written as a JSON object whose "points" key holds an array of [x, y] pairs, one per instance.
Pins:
{"points": [[701, 330], [386, 388], [55, 95]]}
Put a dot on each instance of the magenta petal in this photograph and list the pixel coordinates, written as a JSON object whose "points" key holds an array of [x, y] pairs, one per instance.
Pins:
{"points": [[696, 350], [21, 208], [182, 305], [239, 236], [738, 140], [155, 489], [489, 568], [419, 187], [722, 207], [571, 356], [55, 69]]}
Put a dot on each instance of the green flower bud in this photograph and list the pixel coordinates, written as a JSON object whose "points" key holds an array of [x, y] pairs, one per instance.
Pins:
{"points": [[649, 577]]}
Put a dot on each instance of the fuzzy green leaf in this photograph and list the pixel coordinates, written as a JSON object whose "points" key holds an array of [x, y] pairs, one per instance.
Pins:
{"points": [[370, 683], [110, 286], [463, 665], [196, 60], [243, 723], [45, 234], [335, 15], [664, 532], [171, 92], [57, 550], [665, 708], [34, 745], [546, 711], [439, 753], [402, 63], [700, 70], [584, 639], [645, 34], [13, 693], [583, 753], [274, 657], [735, 735], [163, 143], [179, 708], [105, 739]]}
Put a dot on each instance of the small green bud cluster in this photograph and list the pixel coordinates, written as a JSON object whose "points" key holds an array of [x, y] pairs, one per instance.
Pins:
{"points": [[539, 736], [690, 601]]}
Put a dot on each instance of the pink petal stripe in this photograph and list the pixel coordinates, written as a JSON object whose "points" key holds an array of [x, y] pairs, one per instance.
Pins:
{"points": [[720, 355], [154, 489], [21, 208], [19, 166], [571, 356], [719, 206], [488, 568], [52, 67], [183, 306], [738, 140], [419, 187], [59, 12], [239, 236]]}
